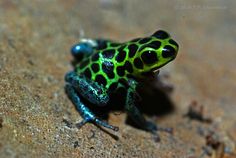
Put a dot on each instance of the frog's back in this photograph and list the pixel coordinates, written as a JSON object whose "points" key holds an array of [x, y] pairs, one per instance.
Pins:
{"points": [[112, 63], [108, 65]]}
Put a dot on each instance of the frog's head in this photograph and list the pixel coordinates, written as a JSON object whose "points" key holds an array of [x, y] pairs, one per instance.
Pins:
{"points": [[156, 51]]}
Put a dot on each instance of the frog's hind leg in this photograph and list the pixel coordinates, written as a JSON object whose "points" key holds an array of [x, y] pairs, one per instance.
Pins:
{"points": [[92, 92], [82, 49]]}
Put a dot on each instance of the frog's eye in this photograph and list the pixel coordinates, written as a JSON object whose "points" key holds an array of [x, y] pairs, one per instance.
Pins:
{"points": [[78, 50], [161, 34], [168, 51], [75, 49], [149, 57]]}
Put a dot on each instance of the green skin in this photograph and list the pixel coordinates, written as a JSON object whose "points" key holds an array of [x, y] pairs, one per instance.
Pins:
{"points": [[105, 67]]}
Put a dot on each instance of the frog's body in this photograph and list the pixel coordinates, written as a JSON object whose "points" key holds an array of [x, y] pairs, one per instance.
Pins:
{"points": [[105, 67]]}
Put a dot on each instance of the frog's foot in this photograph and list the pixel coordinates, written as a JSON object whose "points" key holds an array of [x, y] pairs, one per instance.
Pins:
{"points": [[105, 124], [87, 115], [153, 128], [97, 122], [165, 129]]}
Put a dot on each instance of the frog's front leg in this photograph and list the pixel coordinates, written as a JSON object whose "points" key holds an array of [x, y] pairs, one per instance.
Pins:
{"points": [[138, 118], [135, 114], [91, 91]]}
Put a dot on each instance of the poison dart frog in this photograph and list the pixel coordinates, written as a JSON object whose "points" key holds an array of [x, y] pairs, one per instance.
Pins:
{"points": [[105, 67]]}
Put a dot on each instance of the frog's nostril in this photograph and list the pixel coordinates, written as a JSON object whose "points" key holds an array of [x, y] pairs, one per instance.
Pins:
{"points": [[168, 51]]}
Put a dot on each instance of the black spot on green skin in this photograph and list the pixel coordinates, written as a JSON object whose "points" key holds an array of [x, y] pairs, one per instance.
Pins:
{"points": [[161, 34], [121, 48], [148, 74], [135, 40], [101, 79], [113, 87], [95, 57], [132, 50], [154, 44], [108, 68], [144, 40], [149, 57], [121, 54], [168, 51], [130, 76], [87, 73], [124, 82], [111, 75], [102, 44], [114, 44], [138, 63], [128, 67], [108, 53], [84, 63], [173, 42], [95, 67], [120, 71]]}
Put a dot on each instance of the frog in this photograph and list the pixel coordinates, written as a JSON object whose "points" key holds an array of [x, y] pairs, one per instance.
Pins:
{"points": [[104, 67]]}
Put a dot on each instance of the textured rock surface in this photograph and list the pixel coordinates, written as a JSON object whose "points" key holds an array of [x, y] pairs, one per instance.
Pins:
{"points": [[36, 115]]}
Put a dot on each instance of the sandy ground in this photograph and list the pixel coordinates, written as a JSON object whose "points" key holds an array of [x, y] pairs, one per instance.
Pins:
{"points": [[36, 117]]}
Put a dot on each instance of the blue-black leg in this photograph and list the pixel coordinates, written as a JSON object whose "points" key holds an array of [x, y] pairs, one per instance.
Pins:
{"points": [[135, 114], [138, 118], [92, 91], [72, 87]]}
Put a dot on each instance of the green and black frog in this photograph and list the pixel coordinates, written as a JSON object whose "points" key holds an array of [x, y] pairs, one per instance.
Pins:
{"points": [[106, 67]]}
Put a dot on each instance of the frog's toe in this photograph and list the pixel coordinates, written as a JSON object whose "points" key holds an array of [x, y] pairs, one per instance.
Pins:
{"points": [[165, 129], [80, 124], [105, 124], [150, 126], [97, 122], [153, 128], [156, 137]]}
